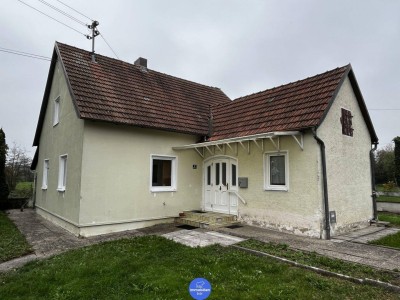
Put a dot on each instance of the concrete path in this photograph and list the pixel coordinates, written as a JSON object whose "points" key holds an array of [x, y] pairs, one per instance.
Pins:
{"points": [[48, 239], [375, 256], [367, 234]]}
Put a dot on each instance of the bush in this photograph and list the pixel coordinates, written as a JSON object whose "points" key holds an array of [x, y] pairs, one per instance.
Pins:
{"points": [[389, 186]]}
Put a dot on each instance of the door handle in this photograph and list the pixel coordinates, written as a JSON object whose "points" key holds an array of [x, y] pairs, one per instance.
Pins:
{"points": [[219, 187]]}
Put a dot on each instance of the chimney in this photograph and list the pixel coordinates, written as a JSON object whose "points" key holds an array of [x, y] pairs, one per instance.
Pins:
{"points": [[142, 62]]}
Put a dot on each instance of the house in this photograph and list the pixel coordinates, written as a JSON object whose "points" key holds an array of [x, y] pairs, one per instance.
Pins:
{"points": [[120, 146]]}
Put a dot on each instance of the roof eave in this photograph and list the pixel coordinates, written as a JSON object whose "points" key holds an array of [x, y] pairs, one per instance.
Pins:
{"points": [[44, 101]]}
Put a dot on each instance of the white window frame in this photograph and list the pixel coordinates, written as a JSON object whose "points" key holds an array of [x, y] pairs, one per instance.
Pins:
{"points": [[56, 112], [267, 180], [174, 168], [45, 177], [62, 173]]}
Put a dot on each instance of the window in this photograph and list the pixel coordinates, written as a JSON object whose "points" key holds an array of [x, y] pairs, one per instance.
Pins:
{"points": [[209, 175], [45, 174], [347, 124], [276, 172], [163, 173], [62, 173], [233, 175], [56, 114]]}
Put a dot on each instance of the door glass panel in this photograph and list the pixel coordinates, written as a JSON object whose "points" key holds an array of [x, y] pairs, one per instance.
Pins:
{"points": [[209, 175], [224, 173], [217, 174], [233, 175]]}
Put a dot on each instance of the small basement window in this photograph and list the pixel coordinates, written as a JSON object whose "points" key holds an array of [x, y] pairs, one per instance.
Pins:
{"points": [[163, 173], [347, 124], [276, 171]]}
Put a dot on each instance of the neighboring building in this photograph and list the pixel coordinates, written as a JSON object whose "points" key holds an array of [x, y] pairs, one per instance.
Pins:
{"points": [[121, 146]]}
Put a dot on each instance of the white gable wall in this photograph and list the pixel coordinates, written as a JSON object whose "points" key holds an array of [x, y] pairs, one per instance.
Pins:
{"points": [[348, 163]]}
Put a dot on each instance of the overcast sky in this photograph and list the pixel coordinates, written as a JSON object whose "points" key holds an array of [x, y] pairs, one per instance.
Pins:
{"points": [[241, 47]]}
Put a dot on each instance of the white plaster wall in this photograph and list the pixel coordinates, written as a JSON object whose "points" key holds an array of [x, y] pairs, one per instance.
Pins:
{"points": [[116, 176], [298, 210], [64, 138], [348, 164]]}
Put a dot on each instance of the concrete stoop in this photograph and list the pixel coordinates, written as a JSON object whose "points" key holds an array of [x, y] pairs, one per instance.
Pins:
{"points": [[379, 223], [208, 220]]}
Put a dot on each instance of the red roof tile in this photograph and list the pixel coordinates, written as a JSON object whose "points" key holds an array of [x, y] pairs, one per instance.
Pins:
{"points": [[115, 91], [292, 106]]}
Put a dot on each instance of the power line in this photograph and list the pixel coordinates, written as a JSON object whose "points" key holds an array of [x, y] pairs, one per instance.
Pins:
{"points": [[62, 12], [52, 18], [26, 54], [102, 36], [76, 10], [384, 109]]}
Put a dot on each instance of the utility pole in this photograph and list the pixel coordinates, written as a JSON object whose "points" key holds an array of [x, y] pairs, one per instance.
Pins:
{"points": [[95, 33]]}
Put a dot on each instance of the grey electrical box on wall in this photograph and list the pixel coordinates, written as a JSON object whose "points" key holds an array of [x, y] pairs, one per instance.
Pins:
{"points": [[243, 182], [332, 216]]}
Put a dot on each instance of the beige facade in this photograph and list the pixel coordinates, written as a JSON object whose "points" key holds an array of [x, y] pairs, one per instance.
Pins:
{"points": [[297, 209], [64, 138], [300, 208], [116, 182], [108, 183]]}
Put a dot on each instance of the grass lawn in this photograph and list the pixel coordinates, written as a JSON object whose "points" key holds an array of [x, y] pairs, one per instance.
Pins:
{"points": [[24, 185], [393, 199], [152, 267], [380, 188], [323, 262], [394, 219], [12, 242]]}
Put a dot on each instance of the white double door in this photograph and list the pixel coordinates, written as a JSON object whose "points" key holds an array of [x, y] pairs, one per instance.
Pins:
{"points": [[221, 185]]}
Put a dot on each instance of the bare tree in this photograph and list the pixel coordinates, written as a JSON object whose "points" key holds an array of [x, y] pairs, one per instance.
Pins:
{"points": [[17, 166]]}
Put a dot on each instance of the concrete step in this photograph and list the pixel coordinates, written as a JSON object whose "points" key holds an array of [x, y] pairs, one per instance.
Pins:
{"points": [[380, 223], [206, 219], [209, 216]]}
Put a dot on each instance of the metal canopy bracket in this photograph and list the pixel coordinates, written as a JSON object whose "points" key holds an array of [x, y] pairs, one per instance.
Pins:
{"points": [[276, 145], [301, 142], [200, 153]]}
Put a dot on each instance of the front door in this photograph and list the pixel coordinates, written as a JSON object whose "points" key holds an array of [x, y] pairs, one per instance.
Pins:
{"points": [[220, 182]]}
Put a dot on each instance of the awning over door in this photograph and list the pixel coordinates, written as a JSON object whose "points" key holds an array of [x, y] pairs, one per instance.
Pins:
{"points": [[244, 142]]}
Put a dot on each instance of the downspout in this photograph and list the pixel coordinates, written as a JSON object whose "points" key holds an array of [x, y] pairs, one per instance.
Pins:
{"points": [[372, 159], [327, 226], [34, 189]]}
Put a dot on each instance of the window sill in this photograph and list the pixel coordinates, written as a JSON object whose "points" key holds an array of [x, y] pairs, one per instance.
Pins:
{"points": [[44, 188], [162, 189], [61, 190], [277, 188]]}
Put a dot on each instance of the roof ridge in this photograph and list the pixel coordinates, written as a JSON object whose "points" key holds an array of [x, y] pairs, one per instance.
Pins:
{"points": [[138, 67], [292, 82]]}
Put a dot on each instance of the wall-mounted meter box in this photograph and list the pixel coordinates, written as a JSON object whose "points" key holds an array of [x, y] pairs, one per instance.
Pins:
{"points": [[243, 182]]}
